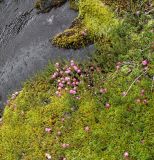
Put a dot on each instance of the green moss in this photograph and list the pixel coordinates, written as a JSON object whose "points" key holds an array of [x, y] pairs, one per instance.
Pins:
{"points": [[77, 36], [126, 126], [115, 122], [47, 5], [74, 4]]}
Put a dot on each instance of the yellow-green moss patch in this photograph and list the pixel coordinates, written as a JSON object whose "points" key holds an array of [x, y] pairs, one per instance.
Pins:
{"points": [[74, 4], [77, 36]]}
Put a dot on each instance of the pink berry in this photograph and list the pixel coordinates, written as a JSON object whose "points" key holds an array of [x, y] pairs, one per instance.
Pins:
{"points": [[124, 94], [63, 119], [126, 154], [67, 145], [59, 133], [145, 62], [78, 71], [64, 145], [107, 105], [72, 92], [61, 85], [103, 90], [75, 68], [48, 130], [138, 101], [57, 65], [67, 71], [72, 61], [77, 83], [87, 129], [77, 97], [145, 101], [57, 92], [67, 78]]}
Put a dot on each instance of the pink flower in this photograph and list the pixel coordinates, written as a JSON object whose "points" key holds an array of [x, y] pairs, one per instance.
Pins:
{"points": [[77, 97], [61, 85], [74, 83], [124, 93], [126, 154], [87, 129], [145, 101], [77, 83], [63, 82], [57, 65], [83, 33], [103, 90], [57, 92], [48, 156], [68, 83], [59, 95], [72, 61], [67, 78], [145, 62], [138, 101], [61, 72], [74, 79], [16, 93], [59, 133], [59, 88], [142, 92], [107, 105], [67, 71], [48, 130], [118, 65], [53, 76], [65, 145], [75, 68], [78, 71], [63, 119], [72, 92]]}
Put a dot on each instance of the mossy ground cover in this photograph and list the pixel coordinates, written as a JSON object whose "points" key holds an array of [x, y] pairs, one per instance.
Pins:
{"points": [[77, 36], [103, 109]]}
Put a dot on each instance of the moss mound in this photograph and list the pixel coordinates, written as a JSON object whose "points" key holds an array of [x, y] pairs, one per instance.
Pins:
{"points": [[77, 36], [74, 4], [46, 5], [103, 109]]}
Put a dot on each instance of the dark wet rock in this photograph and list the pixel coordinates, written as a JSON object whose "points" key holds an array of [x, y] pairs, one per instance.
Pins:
{"points": [[46, 5], [27, 49]]}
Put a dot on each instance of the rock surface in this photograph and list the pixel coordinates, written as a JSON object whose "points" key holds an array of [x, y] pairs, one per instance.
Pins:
{"points": [[24, 42]]}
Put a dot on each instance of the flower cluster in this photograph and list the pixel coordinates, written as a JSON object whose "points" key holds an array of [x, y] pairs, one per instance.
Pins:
{"points": [[67, 78], [142, 99]]}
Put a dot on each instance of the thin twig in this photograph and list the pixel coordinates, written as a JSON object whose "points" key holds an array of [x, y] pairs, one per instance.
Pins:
{"points": [[152, 83], [133, 83]]}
